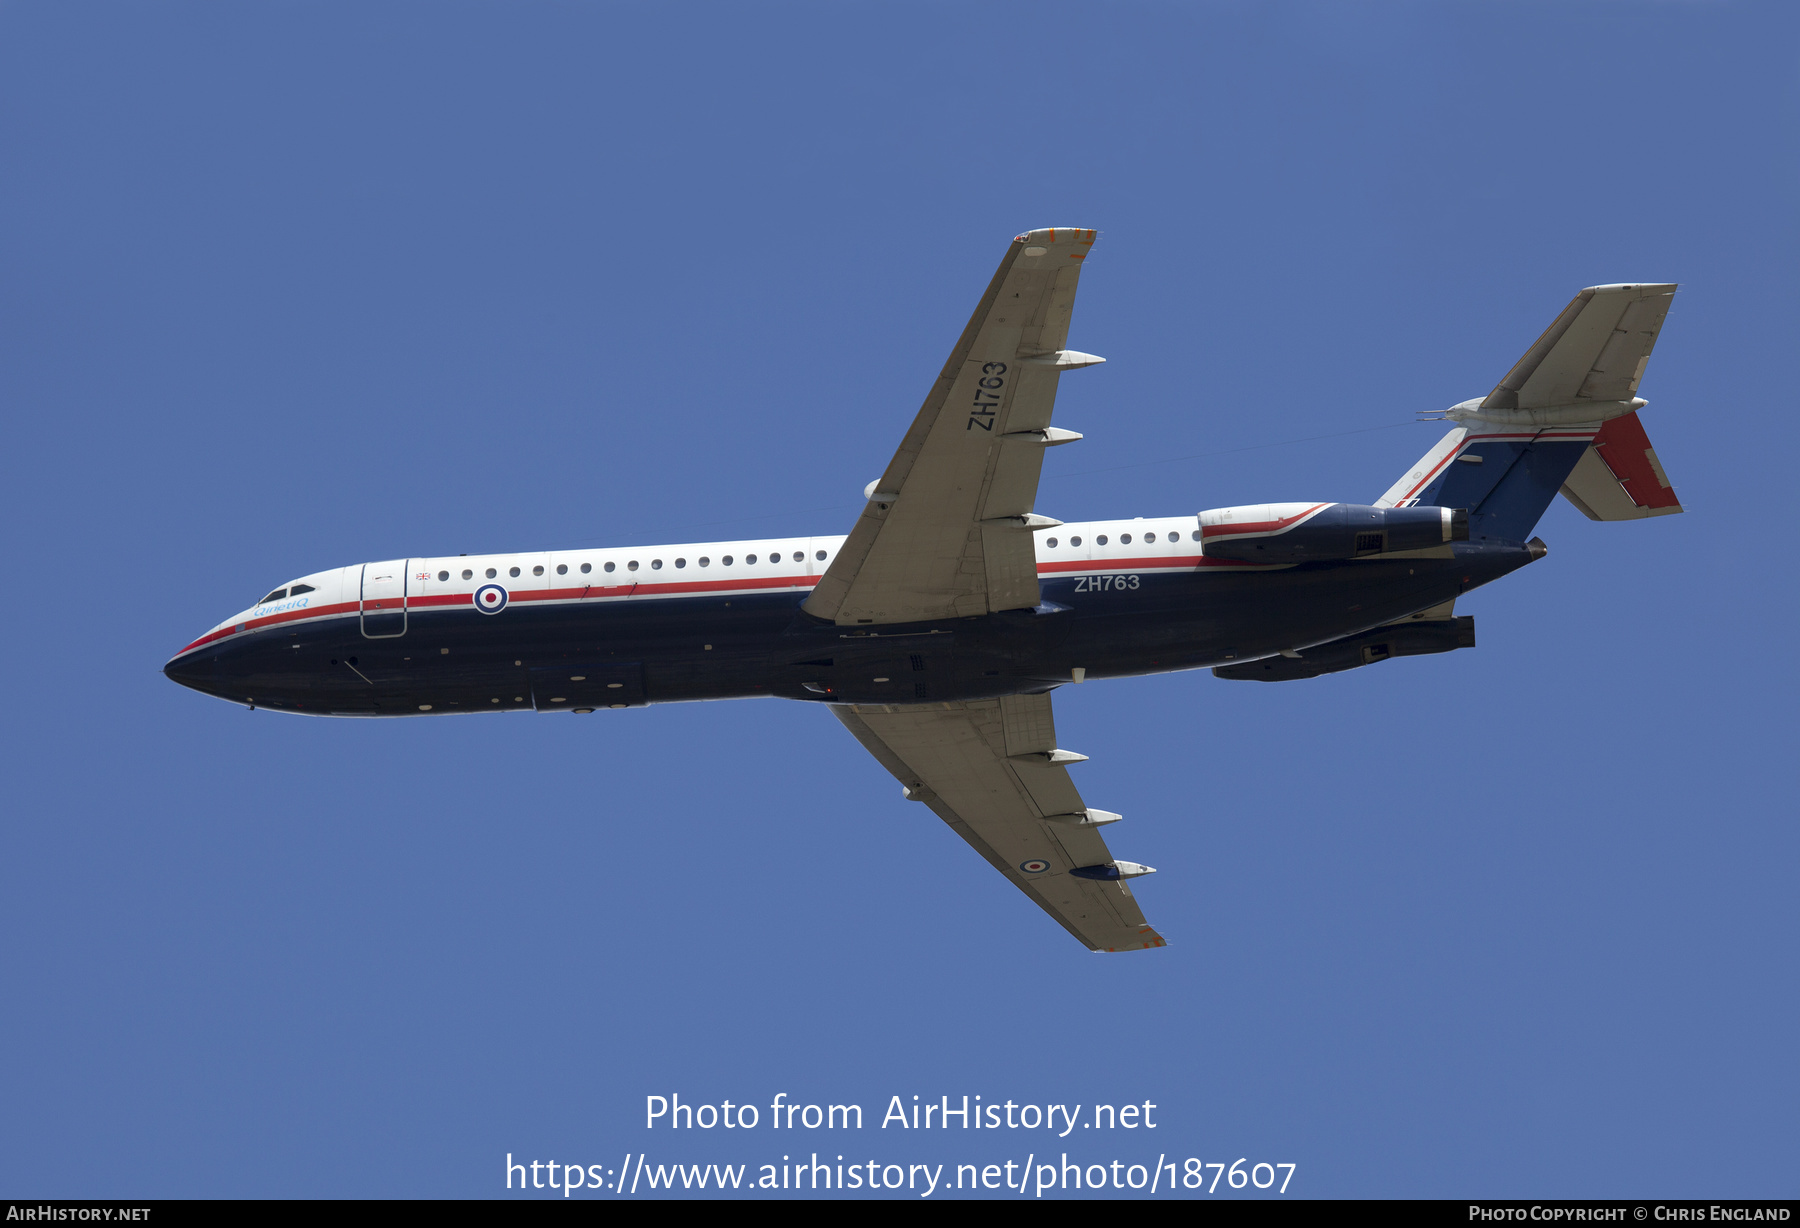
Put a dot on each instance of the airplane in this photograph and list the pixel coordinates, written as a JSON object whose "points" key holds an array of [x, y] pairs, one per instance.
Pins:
{"points": [[937, 630]]}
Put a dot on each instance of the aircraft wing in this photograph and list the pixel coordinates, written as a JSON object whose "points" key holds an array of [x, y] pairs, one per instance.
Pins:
{"points": [[947, 531], [991, 770]]}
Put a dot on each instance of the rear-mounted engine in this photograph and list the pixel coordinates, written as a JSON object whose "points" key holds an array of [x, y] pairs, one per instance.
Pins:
{"points": [[1315, 532]]}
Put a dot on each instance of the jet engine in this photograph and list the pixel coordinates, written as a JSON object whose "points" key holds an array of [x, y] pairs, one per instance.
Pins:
{"points": [[1315, 532]]}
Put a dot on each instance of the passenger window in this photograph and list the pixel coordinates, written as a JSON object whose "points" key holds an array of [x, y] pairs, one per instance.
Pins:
{"points": [[726, 560], [586, 567], [513, 572], [1150, 538], [705, 562], [1050, 542], [490, 573], [1196, 534], [300, 588], [536, 571], [655, 564], [820, 556], [562, 569], [1101, 540], [277, 595], [443, 575], [681, 562], [750, 559], [799, 556], [631, 566], [1074, 541], [1125, 539], [609, 566]]}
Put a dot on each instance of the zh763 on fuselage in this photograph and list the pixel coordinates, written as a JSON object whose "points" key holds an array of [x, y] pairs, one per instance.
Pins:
{"points": [[938, 628]]}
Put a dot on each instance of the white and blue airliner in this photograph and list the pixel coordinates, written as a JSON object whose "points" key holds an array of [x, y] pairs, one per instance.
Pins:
{"points": [[937, 630]]}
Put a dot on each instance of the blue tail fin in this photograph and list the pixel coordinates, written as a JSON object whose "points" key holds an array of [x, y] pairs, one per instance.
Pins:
{"points": [[1506, 478], [1521, 443]]}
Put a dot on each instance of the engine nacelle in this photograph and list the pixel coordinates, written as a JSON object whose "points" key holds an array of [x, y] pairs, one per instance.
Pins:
{"points": [[1315, 532]]}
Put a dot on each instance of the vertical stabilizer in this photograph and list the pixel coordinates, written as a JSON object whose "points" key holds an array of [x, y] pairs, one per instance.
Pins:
{"points": [[1619, 477], [1563, 419]]}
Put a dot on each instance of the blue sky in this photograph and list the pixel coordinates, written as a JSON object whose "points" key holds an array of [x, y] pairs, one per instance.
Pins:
{"points": [[293, 286]]}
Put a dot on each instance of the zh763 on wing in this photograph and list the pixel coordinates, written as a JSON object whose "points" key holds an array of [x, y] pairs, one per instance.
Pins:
{"points": [[938, 628]]}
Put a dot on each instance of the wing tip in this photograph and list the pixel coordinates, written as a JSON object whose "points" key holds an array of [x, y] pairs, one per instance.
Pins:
{"points": [[1642, 289], [1144, 940], [1065, 235]]}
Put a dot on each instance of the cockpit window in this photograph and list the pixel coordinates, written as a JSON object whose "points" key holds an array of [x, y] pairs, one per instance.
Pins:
{"points": [[300, 588], [277, 595]]}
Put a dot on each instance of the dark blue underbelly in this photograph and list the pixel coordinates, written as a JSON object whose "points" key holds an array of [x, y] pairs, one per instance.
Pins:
{"points": [[606, 654]]}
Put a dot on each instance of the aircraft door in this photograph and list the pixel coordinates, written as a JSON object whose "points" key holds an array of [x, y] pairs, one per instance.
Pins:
{"points": [[384, 599]]}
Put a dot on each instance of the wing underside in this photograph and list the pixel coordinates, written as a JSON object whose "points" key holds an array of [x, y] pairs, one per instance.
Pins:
{"points": [[989, 769], [946, 532]]}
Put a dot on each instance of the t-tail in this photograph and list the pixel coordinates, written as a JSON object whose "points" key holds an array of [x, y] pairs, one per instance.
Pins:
{"points": [[1565, 419]]}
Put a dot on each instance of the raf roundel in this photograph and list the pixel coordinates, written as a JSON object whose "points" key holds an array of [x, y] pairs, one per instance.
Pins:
{"points": [[1036, 865], [490, 599]]}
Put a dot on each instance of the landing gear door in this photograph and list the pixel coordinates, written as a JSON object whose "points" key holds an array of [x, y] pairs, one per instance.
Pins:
{"points": [[384, 600]]}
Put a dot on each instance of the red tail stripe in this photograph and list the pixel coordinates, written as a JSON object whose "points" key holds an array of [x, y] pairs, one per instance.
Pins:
{"points": [[1625, 448]]}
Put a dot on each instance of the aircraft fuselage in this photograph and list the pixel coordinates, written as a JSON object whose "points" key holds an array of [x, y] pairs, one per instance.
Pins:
{"points": [[561, 631]]}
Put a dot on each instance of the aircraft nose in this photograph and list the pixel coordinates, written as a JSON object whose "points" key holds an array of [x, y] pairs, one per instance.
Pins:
{"points": [[195, 669]]}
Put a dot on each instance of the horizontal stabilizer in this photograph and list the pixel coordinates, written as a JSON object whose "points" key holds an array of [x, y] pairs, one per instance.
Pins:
{"points": [[1596, 350]]}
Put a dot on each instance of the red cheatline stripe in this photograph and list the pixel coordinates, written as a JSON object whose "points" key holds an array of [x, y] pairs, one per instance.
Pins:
{"points": [[685, 586], [616, 592], [1528, 437], [288, 616], [1435, 470], [1168, 564], [1257, 526], [438, 600], [1508, 437]]}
